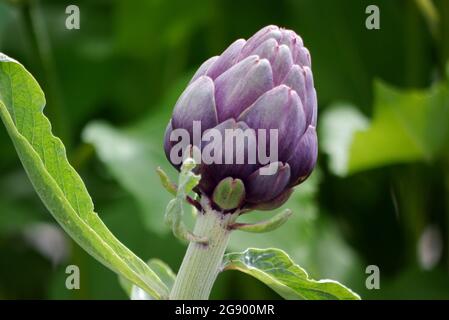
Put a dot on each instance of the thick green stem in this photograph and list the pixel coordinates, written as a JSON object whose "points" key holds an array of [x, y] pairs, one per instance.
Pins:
{"points": [[202, 262]]}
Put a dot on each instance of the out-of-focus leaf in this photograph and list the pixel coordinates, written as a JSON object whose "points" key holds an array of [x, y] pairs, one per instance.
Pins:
{"points": [[49, 240], [407, 126], [431, 14], [163, 271], [339, 124], [57, 183], [18, 209], [275, 268], [133, 154]]}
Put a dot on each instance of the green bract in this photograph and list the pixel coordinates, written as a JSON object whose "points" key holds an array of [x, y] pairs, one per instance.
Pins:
{"points": [[229, 193]]}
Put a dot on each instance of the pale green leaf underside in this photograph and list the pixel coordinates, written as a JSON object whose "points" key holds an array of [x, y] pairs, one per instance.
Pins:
{"points": [[275, 268], [57, 183], [163, 271]]}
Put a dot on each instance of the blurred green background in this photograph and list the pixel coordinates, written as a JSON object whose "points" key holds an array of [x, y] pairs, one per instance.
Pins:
{"points": [[380, 194]]}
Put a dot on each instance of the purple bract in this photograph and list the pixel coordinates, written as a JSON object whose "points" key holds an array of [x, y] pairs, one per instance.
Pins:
{"points": [[263, 83]]}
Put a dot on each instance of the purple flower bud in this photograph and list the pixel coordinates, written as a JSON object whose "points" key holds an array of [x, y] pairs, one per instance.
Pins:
{"points": [[262, 89]]}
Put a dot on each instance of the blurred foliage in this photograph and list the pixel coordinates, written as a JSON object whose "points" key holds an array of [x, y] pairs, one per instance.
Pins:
{"points": [[406, 127], [111, 87]]}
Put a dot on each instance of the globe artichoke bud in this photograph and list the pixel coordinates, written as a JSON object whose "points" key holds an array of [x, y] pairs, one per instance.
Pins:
{"points": [[262, 91]]}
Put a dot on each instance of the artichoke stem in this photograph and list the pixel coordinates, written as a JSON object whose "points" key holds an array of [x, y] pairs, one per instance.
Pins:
{"points": [[202, 262]]}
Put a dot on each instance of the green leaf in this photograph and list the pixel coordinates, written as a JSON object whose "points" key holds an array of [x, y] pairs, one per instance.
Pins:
{"points": [[163, 271], [57, 183], [275, 268], [407, 126]]}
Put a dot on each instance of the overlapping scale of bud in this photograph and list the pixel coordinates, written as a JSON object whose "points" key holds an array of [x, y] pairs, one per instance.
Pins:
{"points": [[261, 94]]}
